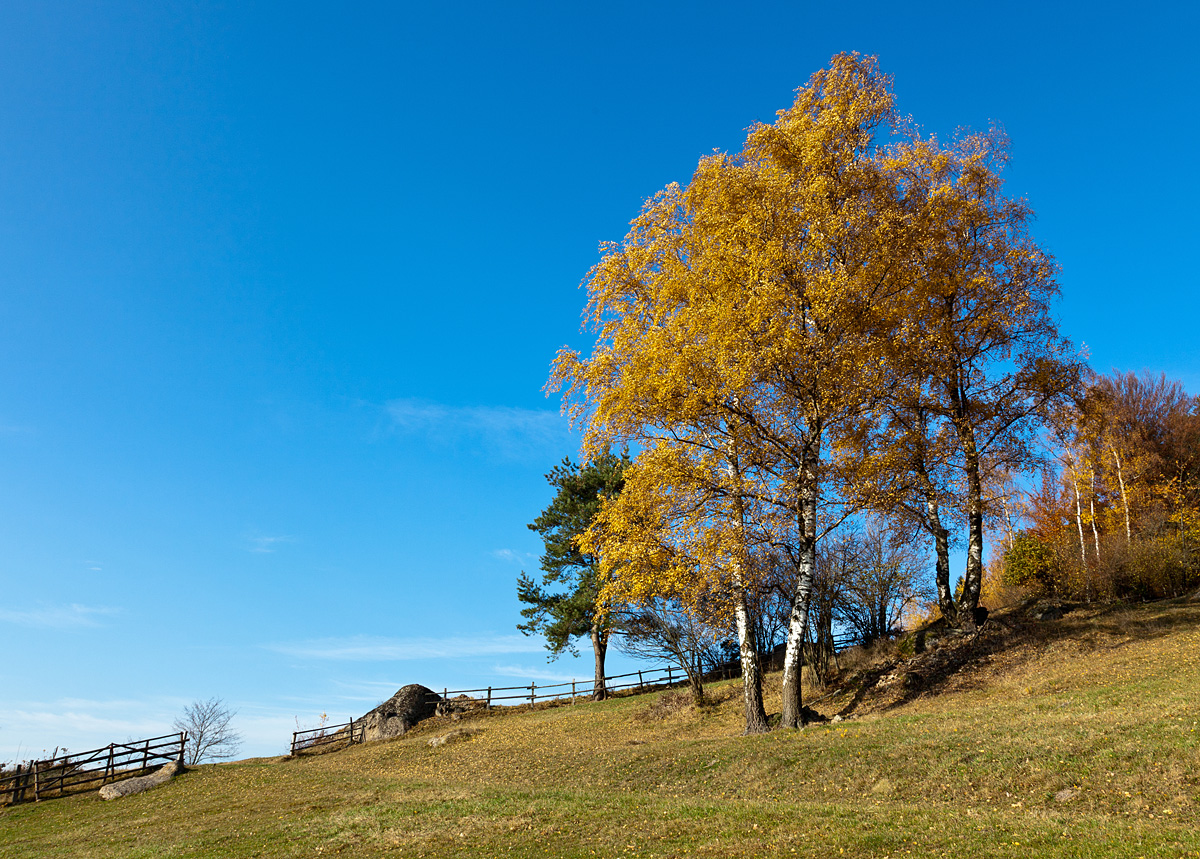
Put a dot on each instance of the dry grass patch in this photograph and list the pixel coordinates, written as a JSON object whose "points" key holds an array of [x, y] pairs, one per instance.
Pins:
{"points": [[1078, 740]]}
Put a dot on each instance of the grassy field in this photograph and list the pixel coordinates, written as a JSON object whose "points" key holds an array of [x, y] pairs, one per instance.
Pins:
{"points": [[1077, 737]]}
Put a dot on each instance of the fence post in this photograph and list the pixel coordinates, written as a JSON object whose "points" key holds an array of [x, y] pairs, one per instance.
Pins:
{"points": [[670, 682], [641, 683], [572, 691], [293, 751], [146, 755], [351, 732], [109, 766], [532, 693], [18, 790], [36, 786], [489, 701]]}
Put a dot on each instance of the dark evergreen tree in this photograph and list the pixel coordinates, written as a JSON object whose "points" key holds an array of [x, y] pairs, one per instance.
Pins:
{"points": [[563, 606]]}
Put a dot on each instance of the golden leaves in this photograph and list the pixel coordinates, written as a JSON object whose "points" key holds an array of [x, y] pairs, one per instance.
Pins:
{"points": [[753, 322]]}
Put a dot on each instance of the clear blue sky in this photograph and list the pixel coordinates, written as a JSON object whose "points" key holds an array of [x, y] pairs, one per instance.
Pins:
{"points": [[280, 284]]}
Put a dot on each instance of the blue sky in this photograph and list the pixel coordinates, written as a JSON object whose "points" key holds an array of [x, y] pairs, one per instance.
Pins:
{"points": [[280, 285]]}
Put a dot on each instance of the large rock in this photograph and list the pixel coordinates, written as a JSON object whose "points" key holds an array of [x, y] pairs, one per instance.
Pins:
{"points": [[399, 714], [130, 786]]}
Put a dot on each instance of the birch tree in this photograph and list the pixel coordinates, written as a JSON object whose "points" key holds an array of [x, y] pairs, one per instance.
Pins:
{"points": [[980, 359], [745, 305], [680, 531]]}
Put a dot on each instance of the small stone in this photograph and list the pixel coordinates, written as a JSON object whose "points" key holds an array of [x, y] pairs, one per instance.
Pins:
{"points": [[1047, 611], [1065, 795], [452, 737]]}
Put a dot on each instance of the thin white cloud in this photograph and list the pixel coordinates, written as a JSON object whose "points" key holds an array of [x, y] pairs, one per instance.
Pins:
{"points": [[536, 674], [366, 648], [73, 616], [514, 557], [31, 727], [509, 431], [266, 545], [369, 692]]}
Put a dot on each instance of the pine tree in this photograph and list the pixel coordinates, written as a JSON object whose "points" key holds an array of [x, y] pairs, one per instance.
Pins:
{"points": [[563, 606]]}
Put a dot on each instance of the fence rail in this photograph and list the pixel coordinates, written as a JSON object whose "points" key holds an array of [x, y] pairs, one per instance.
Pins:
{"points": [[60, 775], [452, 700], [531, 694], [347, 733]]}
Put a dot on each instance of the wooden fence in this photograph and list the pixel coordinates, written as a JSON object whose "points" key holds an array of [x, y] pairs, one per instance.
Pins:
{"points": [[345, 734], [531, 694], [63, 774]]}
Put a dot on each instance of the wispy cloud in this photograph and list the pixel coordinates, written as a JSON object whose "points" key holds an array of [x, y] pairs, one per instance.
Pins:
{"points": [[366, 648], [73, 616], [505, 430], [514, 557], [535, 674], [372, 691], [266, 545], [78, 724]]}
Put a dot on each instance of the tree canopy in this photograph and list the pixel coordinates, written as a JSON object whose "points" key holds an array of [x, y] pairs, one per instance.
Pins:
{"points": [[843, 316]]}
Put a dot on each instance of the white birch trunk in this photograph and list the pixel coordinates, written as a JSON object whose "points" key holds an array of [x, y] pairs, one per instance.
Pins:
{"points": [[1124, 497], [1079, 525], [792, 711], [1008, 520], [756, 714], [941, 576], [1092, 506]]}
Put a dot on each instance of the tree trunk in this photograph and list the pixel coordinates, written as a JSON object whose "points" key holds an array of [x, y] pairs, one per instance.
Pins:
{"points": [[941, 545], [600, 648], [1082, 543], [1012, 539], [1124, 497], [792, 713], [973, 575], [756, 714], [1092, 506]]}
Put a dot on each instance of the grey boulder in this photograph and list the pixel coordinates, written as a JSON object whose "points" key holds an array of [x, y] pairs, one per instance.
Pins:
{"points": [[399, 714]]}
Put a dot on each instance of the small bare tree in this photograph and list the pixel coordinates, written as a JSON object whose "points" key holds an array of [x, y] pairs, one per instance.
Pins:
{"points": [[666, 629], [882, 575], [210, 738]]}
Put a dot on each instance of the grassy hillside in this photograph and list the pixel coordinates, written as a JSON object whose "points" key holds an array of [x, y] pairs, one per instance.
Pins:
{"points": [[1076, 737]]}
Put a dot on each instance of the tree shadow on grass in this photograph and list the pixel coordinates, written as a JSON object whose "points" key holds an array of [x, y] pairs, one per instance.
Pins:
{"points": [[958, 662]]}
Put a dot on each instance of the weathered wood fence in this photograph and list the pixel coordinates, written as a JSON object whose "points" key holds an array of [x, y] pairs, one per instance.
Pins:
{"points": [[531, 694], [345, 734], [348, 733], [60, 775], [652, 678]]}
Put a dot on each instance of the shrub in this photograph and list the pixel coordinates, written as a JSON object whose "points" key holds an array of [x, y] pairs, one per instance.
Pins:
{"points": [[1030, 563]]}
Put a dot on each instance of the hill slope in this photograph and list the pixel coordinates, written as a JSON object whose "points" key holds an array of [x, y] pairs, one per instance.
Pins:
{"points": [[1075, 738]]}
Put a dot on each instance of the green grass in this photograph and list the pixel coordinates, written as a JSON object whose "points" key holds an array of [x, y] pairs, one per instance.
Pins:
{"points": [[1104, 704]]}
